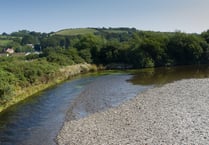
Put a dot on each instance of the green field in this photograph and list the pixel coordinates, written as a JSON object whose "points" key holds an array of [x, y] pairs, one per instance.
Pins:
{"points": [[4, 42], [115, 31], [82, 31], [73, 32]]}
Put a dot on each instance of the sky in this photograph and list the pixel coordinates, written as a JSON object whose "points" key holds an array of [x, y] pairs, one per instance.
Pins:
{"points": [[190, 16]]}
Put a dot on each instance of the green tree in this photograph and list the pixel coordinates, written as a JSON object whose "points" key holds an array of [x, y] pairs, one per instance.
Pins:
{"points": [[185, 48], [86, 55], [29, 39], [154, 50], [7, 85], [110, 52], [205, 35]]}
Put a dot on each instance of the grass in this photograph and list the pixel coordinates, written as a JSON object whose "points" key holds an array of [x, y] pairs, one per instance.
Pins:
{"points": [[3, 37], [78, 31], [115, 31], [4, 42], [82, 31]]}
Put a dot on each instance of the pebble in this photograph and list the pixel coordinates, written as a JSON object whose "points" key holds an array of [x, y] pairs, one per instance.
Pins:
{"points": [[176, 113]]}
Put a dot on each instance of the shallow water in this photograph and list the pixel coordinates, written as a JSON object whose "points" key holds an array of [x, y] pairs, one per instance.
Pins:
{"points": [[37, 120], [102, 93]]}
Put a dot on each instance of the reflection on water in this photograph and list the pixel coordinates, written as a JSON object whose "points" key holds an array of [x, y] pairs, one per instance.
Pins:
{"points": [[158, 76]]}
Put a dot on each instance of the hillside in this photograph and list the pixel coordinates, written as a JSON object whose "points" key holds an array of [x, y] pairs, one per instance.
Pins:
{"points": [[82, 31], [77, 31]]}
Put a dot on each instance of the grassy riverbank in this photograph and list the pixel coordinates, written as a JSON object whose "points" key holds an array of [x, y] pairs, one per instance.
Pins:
{"points": [[58, 76]]}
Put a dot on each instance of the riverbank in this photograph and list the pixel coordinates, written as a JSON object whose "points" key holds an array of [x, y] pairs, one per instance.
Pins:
{"points": [[176, 113], [62, 74]]}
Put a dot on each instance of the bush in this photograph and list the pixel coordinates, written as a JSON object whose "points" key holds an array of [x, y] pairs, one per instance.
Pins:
{"points": [[32, 56], [7, 85]]}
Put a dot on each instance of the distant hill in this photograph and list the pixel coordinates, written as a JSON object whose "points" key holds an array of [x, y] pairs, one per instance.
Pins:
{"points": [[82, 31], [116, 30], [77, 31]]}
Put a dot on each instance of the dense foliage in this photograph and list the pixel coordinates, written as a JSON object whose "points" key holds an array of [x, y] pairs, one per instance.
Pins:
{"points": [[17, 74], [113, 45], [121, 46]]}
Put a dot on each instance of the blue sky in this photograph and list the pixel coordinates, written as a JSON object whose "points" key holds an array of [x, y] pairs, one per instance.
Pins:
{"points": [[52, 15]]}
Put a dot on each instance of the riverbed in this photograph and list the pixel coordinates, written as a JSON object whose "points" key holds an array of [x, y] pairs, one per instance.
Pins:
{"points": [[176, 113]]}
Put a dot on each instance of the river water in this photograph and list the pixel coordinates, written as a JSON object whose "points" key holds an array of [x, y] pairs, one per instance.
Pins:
{"points": [[37, 120]]}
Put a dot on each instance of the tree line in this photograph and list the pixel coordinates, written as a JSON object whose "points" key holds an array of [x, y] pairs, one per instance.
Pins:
{"points": [[137, 48], [117, 45], [128, 46]]}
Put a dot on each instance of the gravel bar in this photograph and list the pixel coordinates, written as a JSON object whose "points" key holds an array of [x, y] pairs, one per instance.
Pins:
{"points": [[176, 113]]}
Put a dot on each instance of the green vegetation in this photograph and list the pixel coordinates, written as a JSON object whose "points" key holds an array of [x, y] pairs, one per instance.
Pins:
{"points": [[116, 30], [78, 31], [50, 54], [21, 78], [5, 42]]}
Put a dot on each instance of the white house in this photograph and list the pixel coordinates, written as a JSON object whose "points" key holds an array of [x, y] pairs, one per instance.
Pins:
{"points": [[10, 51]]}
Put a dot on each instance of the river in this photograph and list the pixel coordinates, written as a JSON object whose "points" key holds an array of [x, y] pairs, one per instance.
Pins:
{"points": [[37, 120]]}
